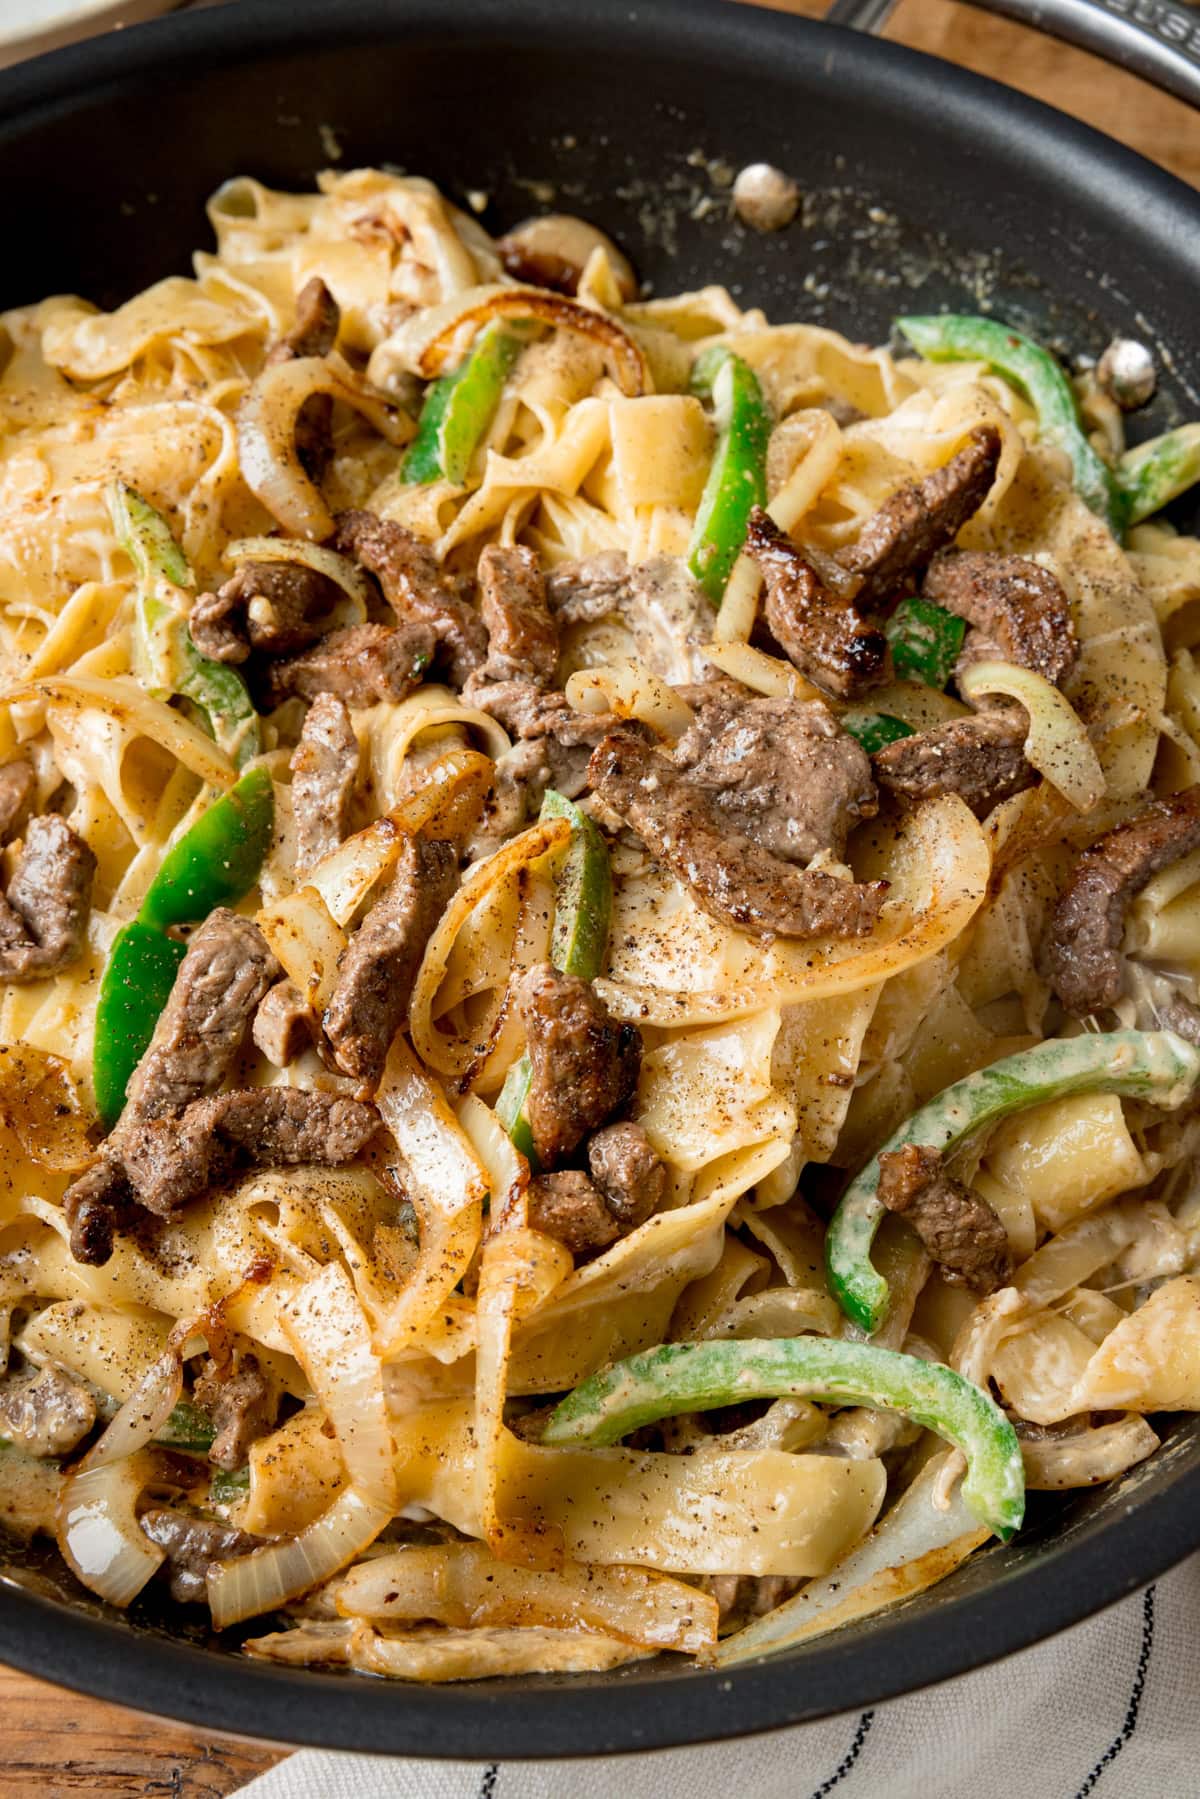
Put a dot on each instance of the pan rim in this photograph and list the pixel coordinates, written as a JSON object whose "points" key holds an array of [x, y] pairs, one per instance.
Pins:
{"points": [[902, 1651]]}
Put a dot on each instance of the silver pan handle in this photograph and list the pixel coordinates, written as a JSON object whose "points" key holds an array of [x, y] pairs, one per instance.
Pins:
{"points": [[1157, 39]]}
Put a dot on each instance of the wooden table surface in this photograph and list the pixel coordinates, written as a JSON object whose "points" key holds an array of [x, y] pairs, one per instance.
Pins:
{"points": [[58, 1744]]}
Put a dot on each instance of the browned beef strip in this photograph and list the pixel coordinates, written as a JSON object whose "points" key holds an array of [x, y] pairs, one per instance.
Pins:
{"points": [[315, 328], [415, 587], [540, 715], [781, 772], [522, 635], [284, 1025], [731, 876], [519, 779], [275, 607], [571, 1208], [982, 759], [376, 974], [324, 771], [1018, 609], [168, 1162], [192, 1545], [234, 1392], [584, 1063], [361, 665], [959, 1229], [17, 786], [818, 630], [96, 1205], [44, 1413], [1182, 1017], [200, 1030], [920, 519], [1081, 957], [628, 1171], [44, 915], [582, 591]]}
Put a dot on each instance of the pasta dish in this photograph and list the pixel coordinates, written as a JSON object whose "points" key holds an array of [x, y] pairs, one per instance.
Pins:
{"points": [[600, 1046]]}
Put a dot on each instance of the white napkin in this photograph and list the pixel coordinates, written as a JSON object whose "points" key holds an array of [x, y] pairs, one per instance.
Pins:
{"points": [[1111, 1709]]}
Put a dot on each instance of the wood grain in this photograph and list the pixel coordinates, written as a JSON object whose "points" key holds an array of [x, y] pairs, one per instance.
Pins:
{"points": [[59, 1745]]}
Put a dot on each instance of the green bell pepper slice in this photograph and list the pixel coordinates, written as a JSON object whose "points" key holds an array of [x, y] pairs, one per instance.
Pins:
{"points": [[188, 1427], [1154, 473], [136, 985], [874, 730], [216, 863], [166, 660], [696, 1377], [578, 941], [925, 640], [737, 479], [228, 1486], [1025, 365], [1151, 1065], [458, 410]]}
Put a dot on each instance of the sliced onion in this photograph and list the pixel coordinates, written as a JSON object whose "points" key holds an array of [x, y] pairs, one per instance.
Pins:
{"points": [[307, 943], [425, 344], [131, 707], [328, 1330], [250, 1584], [763, 673], [914, 1545], [143, 1414], [631, 690], [1058, 745], [99, 1534], [1085, 1458], [266, 434], [506, 1168], [339, 569], [450, 787]]}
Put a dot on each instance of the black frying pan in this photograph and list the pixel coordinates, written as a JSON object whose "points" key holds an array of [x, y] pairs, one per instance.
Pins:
{"points": [[925, 186]]}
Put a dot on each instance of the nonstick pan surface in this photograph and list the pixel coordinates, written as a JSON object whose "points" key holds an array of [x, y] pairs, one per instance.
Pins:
{"points": [[924, 187]]}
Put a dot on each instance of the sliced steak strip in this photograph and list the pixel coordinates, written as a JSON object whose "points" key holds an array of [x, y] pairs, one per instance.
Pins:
{"points": [[584, 1063], [415, 587], [544, 716], [781, 772], [522, 635], [571, 1208], [315, 327], [818, 630], [731, 876], [629, 1172], [284, 1024], [580, 592], [44, 915], [192, 1546], [1018, 610], [200, 1030], [369, 1004], [361, 665], [920, 519], [313, 333], [226, 972], [235, 1394], [982, 759], [275, 607], [168, 1162], [959, 1229], [44, 1413], [18, 784], [1081, 957], [324, 772], [657, 601]]}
